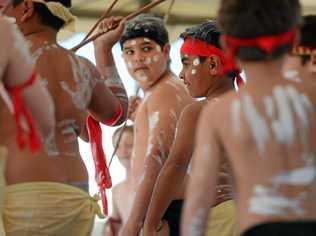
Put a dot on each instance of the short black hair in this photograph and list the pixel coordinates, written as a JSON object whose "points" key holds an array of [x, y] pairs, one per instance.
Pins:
{"points": [[207, 31], [249, 19], [148, 26], [45, 15], [308, 32]]}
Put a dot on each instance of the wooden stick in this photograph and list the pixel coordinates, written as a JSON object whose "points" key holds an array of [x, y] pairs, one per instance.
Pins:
{"points": [[167, 15], [130, 16], [103, 16]]}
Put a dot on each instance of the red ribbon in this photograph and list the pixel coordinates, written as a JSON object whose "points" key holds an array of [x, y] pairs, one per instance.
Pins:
{"points": [[21, 111], [266, 43], [102, 174]]}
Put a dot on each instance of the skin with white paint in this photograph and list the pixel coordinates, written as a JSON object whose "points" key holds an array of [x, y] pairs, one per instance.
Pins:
{"points": [[196, 226], [272, 149], [72, 81], [153, 131]]}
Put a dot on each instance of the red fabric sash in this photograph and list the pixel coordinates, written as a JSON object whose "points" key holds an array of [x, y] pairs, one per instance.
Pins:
{"points": [[266, 43], [21, 111], [102, 174]]}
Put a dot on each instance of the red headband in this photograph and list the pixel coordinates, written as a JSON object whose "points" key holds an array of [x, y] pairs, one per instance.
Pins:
{"points": [[266, 43], [196, 47]]}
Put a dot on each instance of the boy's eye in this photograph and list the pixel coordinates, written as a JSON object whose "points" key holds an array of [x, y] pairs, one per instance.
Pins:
{"points": [[146, 49], [129, 52]]}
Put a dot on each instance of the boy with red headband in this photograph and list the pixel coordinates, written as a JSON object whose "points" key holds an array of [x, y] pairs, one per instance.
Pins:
{"points": [[301, 63], [54, 185], [206, 74], [267, 131]]}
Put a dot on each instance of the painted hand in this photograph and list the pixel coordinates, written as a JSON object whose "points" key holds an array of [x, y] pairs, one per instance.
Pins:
{"points": [[115, 27]]}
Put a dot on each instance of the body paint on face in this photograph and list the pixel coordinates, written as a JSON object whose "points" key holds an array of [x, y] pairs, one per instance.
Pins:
{"points": [[85, 83], [156, 58], [198, 219], [147, 40], [148, 61], [129, 64], [268, 202], [258, 125], [235, 112], [196, 62], [152, 123], [158, 48], [141, 76], [194, 72]]}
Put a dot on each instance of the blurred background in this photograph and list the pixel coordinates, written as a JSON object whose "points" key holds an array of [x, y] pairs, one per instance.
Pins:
{"points": [[179, 14]]}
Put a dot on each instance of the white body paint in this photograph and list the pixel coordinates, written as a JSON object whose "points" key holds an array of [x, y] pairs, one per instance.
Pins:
{"points": [[156, 58], [46, 47], [293, 110], [147, 40], [153, 122], [141, 76], [235, 112], [283, 127], [269, 203], [49, 144], [292, 75], [158, 48], [196, 226], [112, 78], [85, 83], [196, 62], [194, 71], [300, 176], [269, 106], [258, 125]]}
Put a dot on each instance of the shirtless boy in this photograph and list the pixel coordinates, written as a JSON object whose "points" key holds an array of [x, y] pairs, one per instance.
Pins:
{"points": [[35, 97], [202, 60], [145, 47], [121, 191], [77, 90], [267, 131]]}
